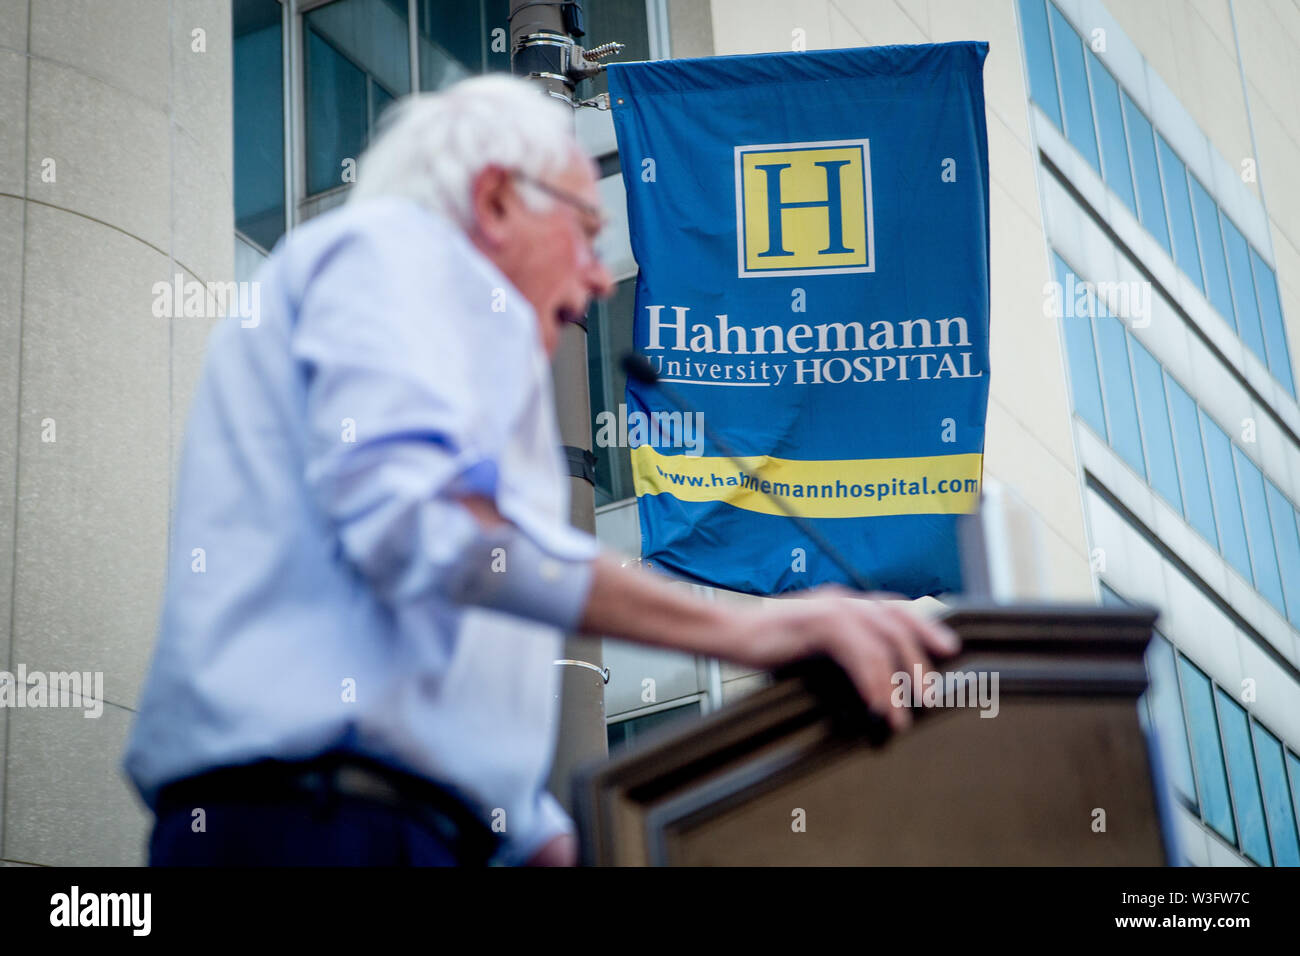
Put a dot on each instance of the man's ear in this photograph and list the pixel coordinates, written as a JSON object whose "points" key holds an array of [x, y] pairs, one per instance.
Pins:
{"points": [[491, 200]]}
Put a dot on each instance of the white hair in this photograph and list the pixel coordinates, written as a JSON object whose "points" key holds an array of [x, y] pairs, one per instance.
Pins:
{"points": [[431, 146]]}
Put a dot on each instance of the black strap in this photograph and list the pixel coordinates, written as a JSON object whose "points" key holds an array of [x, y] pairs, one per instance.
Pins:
{"points": [[582, 463]]}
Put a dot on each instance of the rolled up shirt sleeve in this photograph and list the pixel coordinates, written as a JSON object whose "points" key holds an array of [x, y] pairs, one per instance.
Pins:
{"points": [[407, 415]]}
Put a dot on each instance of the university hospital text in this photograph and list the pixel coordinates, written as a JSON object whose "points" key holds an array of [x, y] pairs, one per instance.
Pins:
{"points": [[722, 338]]}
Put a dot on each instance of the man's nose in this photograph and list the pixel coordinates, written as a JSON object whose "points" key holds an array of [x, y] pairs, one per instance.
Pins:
{"points": [[601, 281]]}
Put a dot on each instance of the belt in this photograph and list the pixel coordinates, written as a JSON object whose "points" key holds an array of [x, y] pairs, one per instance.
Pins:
{"points": [[341, 775]]}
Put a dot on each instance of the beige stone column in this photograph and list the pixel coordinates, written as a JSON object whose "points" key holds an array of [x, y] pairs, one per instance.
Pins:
{"points": [[115, 174]]}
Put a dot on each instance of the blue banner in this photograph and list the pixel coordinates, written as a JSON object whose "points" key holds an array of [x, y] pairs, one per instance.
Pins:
{"points": [[813, 240]]}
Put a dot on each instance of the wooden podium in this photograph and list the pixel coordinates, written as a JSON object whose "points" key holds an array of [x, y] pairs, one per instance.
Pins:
{"points": [[800, 773]]}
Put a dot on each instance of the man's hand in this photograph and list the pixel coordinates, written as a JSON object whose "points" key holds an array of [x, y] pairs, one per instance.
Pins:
{"points": [[872, 640], [558, 851]]}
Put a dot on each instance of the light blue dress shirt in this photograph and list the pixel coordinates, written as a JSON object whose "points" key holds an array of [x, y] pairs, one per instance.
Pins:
{"points": [[324, 590]]}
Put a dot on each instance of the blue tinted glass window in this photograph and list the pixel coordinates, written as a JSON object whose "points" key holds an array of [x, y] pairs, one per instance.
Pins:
{"points": [[1197, 505], [380, 100], [1178, 205], [1270, 312], [1080, 353], [455, 39], [1245, 783], [623, 732], [1074, 88], [609, 330], [1038, 58], [258, 121], [336, 114], [1146, 172], [1207, 753], [1278, 807], [1293, 771], [357, 61], [624, 19], [1282, 518], [1117, 387], [1110, 131], [1243, 289], [1227, 506], [1250, 482], [1217, 289], [1162, 467], [1167, 712]]}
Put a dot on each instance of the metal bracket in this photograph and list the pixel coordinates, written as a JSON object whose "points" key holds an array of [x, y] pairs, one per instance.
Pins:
{"points": [[598, 102], [602, 671], [554, 57], [582, 463]]}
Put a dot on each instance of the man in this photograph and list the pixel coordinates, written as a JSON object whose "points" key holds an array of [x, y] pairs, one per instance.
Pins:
{"points": [[371, 568]]}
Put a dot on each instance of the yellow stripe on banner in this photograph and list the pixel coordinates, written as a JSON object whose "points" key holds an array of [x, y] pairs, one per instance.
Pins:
{"points": [[866, 488]]}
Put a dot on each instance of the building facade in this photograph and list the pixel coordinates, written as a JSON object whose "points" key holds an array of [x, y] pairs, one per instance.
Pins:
{"points": [[1145, 299]]}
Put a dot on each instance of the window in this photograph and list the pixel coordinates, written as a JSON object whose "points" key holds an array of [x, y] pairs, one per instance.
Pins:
{"points": [[1270, 311], [1074, 88], [1178, 205], [1282, 519], [1217, 289], [1207, 751], [357, 61], [1110, 130], [621, 20], [1162, 467], [1167, 715], [1146, 172], [1227, 507], [1081, 355], [1117, 387], [1198, 506], [1239, 766], [258, 120], [609, 337], [1038, 58], [1149, 418], [1293, 771], [458, 38], [1279, 808], [625, 731], [337, 114], [1081, 97], [1243, 289], [1263, 558], [1245, 782]]}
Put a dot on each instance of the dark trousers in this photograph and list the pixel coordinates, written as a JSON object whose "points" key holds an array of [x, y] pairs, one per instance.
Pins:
{"points": [[338, 831]]}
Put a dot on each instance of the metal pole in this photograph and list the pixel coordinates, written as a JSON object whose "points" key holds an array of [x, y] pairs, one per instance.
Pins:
{"points": [[540, 49]]}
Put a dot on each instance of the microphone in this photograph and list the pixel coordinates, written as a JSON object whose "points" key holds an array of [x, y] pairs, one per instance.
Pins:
{"points": [[638, 367]]}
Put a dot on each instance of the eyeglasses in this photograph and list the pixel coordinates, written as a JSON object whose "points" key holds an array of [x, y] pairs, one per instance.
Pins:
{"points": [[597, 218]]}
